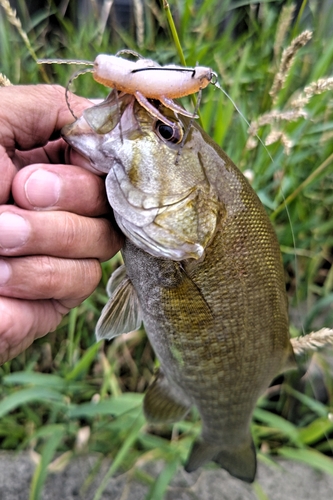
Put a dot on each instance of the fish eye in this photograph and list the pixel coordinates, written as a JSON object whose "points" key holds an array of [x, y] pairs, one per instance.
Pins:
{"points": [[171, 134]]}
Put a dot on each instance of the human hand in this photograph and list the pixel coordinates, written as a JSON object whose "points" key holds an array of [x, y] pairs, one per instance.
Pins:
{"points": [[53, 238]]}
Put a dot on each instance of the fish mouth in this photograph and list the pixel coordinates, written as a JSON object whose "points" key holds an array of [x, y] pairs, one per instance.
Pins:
{"points": [[74, 157], [95, 136], [84, 143]]}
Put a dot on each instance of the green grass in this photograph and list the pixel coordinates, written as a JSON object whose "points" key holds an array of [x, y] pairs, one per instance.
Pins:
{"points": [[65, 381]]}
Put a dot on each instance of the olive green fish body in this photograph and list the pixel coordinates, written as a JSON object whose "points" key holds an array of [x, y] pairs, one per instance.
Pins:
{"points": [[202, 270]]}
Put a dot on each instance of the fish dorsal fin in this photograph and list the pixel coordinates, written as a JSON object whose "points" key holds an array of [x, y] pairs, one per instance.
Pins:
{"points": [[163, 402], [122, 313], [239, 462]]}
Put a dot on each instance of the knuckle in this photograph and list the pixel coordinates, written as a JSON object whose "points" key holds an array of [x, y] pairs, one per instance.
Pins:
{"points": [[72, 230], [47, 274], [109, 240], [90, 270]]}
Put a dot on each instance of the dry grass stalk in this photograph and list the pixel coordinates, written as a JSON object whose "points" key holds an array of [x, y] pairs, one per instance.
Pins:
{"points": [[15, 21], [139, 22], [287, 59], [297, 111], [283, 26], [4, 81], [318, 87], [278, 135], [312, 342], [273, 118], [297, 105], [315, 88], [104, 16]]}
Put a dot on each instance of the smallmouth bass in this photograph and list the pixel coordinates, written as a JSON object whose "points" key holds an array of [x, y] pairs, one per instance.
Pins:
{"points": [[202, 270]]}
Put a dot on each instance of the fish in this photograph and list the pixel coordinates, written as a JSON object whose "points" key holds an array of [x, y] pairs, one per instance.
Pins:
{"points": [[202, 271]]}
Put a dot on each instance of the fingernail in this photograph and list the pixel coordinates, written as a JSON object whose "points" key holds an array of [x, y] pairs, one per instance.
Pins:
{"points": [[43, 188], [5, 272], [14, 231]]}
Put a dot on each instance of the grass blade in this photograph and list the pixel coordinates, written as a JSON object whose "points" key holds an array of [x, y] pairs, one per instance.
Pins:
{"points": [[30, 395], [310, 457], [127, 444], [40, 473], [159, 487]]}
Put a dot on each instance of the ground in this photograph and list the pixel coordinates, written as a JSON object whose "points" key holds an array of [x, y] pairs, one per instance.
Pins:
{"points": [[286, 481]]}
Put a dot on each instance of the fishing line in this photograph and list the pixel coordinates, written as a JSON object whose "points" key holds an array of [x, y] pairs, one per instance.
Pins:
{"points": [[73, 77], [187, 130], [216, 84], [69, 83], [325, 433]]}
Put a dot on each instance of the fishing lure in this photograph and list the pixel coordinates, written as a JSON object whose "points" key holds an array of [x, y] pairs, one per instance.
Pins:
{"points": [[146, 79]]}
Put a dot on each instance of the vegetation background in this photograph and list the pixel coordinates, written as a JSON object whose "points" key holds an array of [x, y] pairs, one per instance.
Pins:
{"points": [[66, 394]]}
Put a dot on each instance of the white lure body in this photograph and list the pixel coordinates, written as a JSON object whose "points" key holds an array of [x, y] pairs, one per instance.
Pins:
{"points": [[148, 78], [145, 79]]}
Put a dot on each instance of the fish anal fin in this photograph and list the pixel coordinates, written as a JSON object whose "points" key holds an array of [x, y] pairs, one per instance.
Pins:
{"points": [[122, 313], [240, 462], [164, 403]]}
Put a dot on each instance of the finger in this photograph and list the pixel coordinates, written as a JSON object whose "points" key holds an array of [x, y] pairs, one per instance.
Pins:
{"points": [[40, 111], [23, 321], [59, 234], [60, 187], [52, 152], [7, 173], [40, 277]]}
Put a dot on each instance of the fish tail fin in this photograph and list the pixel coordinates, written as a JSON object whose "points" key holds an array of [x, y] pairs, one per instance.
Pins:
{"points": [[240, 462]]}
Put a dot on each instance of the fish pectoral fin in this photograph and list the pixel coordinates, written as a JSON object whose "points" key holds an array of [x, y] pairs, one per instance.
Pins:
{"points": [[115, 279], [164, 403], [176, 300], [239, 462], [122, 313]]}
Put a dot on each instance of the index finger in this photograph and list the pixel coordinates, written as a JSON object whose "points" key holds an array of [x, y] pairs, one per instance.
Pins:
{"points": [[31, 115]]}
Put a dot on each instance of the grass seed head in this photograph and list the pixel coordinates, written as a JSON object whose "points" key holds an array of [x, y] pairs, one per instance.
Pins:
{"points": [[4, 81], [287, 59], [283, 26]]}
